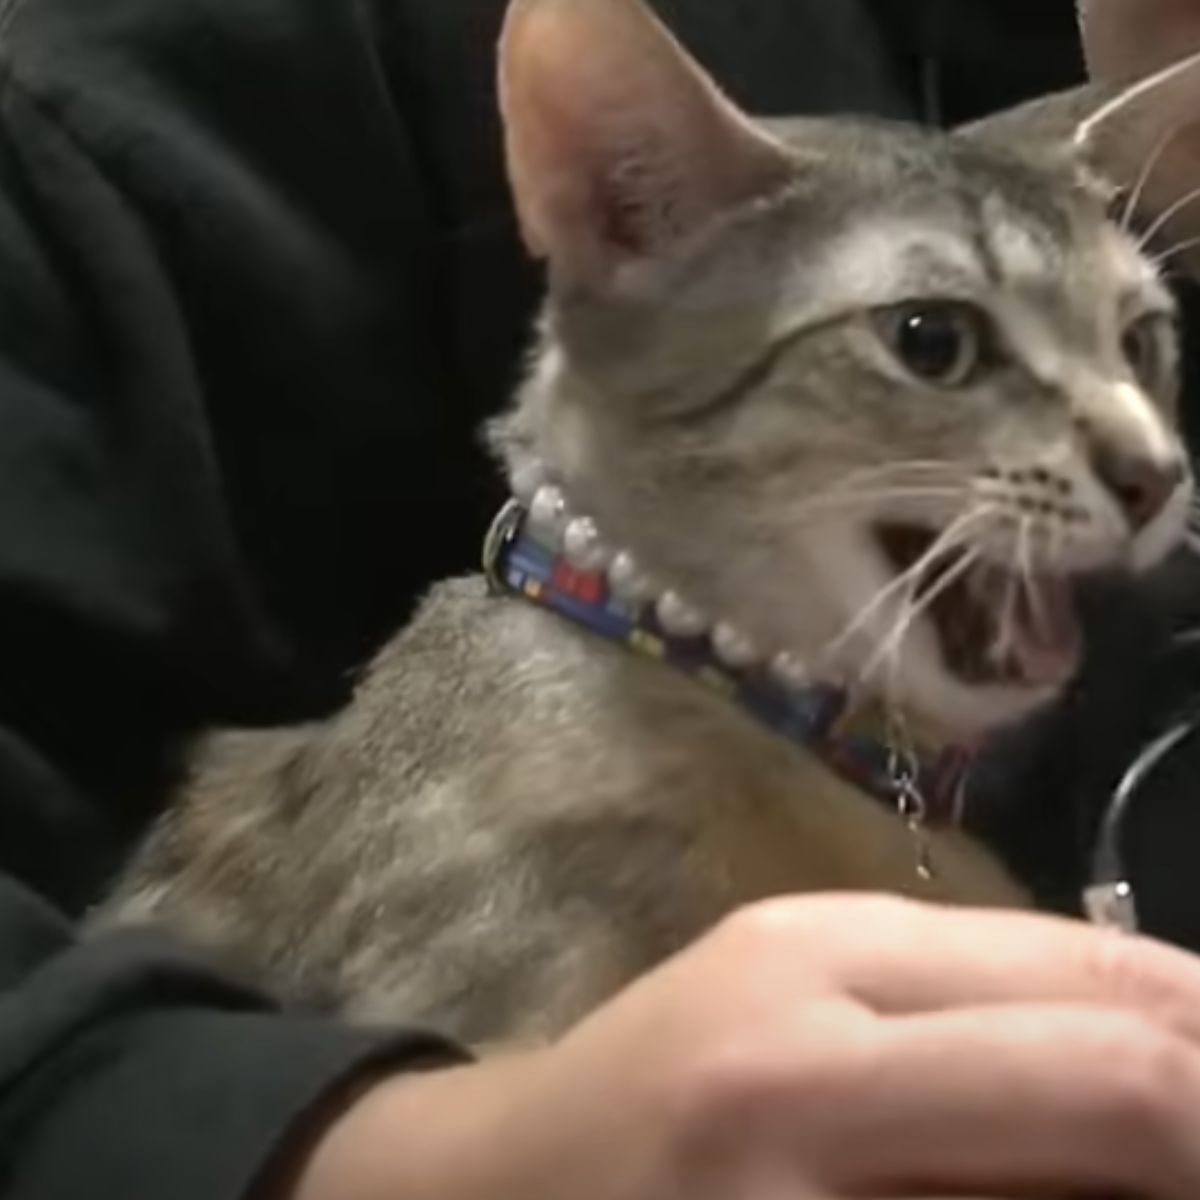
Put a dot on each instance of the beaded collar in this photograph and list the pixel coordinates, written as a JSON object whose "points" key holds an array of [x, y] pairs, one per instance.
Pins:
{"points": [[538, 551]]}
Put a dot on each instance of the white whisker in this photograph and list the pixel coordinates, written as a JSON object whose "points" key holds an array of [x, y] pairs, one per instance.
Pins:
{"points": [[922, 465], [952, 535], [935, 479], [1164, 218], [896, 637], [1161, 260], [1054, 542], [1024, 559], [833, 501], [894, 645], [941, 471], [1003, 643], [1143, 180]]}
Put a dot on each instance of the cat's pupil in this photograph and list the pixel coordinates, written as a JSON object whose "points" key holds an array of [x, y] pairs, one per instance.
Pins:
{"points": [[932, 343], [943, 342]]}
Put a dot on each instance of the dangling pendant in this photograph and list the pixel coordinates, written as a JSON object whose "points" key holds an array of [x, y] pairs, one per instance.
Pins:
{"points": [[911, 805], [912, 810], [926, 872]]}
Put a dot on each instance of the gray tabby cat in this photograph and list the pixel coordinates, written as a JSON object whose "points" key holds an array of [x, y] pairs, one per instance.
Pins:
{"points": [[861, 399]]}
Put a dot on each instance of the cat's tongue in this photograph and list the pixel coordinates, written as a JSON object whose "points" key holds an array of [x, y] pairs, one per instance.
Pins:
{"points": [[1045, 640], [1029, 631]]}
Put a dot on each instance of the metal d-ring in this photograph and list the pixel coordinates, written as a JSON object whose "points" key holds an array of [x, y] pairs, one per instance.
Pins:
{"points": [[503, 529]]}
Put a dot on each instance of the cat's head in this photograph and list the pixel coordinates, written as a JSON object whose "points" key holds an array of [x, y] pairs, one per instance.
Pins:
{"points": [[785, 363]]}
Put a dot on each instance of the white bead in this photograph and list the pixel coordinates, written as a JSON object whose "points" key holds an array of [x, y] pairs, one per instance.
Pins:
{"points": [[548, 512], [678, 618], [584, 549], [628, 581], [789, 670], [734, 648], [526, 480]]}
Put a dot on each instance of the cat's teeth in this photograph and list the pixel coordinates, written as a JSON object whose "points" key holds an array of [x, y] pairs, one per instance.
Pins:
{"points": [[584, 549], [678, 618], [790, 671], [526, 480], [628, 581], [734, 648], [548, 513]]}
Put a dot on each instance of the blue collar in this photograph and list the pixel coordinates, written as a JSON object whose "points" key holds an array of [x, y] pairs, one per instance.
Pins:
{"points": [[922, 787]]}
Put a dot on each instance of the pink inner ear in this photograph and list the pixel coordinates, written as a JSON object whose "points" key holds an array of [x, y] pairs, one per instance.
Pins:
{"points": [[617, 142], [620, 223]]}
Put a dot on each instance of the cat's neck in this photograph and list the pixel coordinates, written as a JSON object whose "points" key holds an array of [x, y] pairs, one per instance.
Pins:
{"points": [[612, 580], [540, 551]]}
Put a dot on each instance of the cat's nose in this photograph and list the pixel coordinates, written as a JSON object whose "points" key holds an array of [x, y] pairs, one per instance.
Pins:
{"points": [[1140, 485]]}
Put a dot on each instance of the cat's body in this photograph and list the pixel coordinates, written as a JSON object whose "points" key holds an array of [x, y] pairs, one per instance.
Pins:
{"points": [[760, 361], [513, 820]]}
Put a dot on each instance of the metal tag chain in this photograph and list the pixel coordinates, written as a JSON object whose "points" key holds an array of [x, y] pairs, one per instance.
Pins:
{"points": [[911, 805]]}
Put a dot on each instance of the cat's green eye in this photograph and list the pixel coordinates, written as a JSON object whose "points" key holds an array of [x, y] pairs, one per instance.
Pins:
{"points": [[939, 341], [1144, 344]]}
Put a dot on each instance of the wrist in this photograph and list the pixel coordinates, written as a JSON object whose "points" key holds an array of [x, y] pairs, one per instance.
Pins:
{"points": [[457, 1133]]}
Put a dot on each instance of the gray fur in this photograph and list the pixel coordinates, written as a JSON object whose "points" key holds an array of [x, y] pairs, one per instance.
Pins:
{"points": [[513, 819]]}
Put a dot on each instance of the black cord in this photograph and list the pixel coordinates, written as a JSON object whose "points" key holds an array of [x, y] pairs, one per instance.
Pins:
{"points": [[1109, 897], [930, 70]]}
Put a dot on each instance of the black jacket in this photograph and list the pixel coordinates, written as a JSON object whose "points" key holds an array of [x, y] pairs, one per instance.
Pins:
{"points": [[259, 283]]}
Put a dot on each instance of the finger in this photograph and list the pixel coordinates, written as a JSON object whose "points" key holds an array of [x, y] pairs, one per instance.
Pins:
{"points": [[903, 957], [1054, 1100]]}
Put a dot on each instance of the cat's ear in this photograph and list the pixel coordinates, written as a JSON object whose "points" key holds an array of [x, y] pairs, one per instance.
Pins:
{"points": [[618, 144]]}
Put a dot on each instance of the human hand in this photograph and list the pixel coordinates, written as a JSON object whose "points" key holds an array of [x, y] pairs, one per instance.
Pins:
{"points": [[823, 1047]]}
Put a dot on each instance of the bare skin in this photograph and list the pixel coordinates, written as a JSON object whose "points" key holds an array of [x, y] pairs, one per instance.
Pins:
{"points": [[824, 1047]]}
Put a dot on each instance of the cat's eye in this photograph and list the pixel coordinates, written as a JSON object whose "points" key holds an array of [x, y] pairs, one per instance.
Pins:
{"points": [[1145, 346], [939, 341]]}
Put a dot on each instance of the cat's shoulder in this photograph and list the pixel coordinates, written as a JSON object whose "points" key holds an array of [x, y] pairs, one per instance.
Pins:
{"points": [[466, 638]]}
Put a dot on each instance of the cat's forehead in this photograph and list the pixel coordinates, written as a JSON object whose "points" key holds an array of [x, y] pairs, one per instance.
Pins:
{"points": [[880, 256], [912, 214]]}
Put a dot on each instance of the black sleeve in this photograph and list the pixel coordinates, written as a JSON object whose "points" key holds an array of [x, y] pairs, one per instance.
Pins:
{"points": [[233, 441], [127, 1069], [221, 379]]}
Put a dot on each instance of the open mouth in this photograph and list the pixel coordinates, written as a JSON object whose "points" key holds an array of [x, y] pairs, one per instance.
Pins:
{"points": [[994, 625]]}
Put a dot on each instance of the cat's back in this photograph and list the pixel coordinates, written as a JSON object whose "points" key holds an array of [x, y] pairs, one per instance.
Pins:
{"points": [[512, 819], [479, 813], [477, 680]]}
